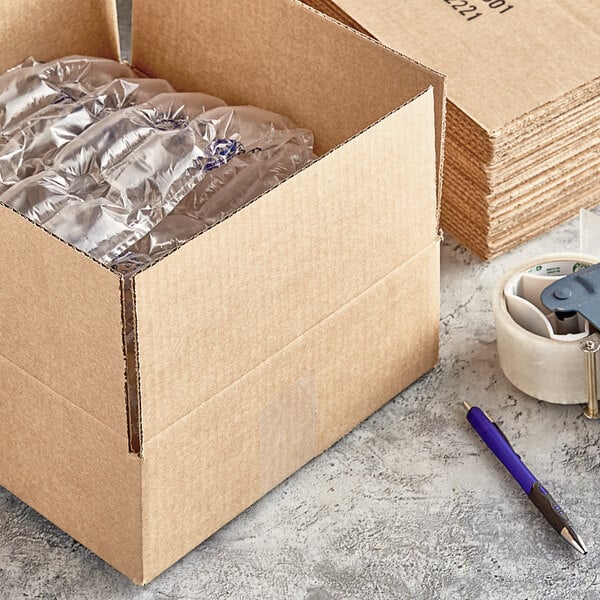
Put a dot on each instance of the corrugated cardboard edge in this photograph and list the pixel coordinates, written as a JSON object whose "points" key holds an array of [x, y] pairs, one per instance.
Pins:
{"points": [[133, 404], [329, 10]]}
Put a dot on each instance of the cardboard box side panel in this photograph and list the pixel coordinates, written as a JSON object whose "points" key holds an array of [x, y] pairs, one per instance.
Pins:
{"points": [[71, 469], [57, 28], [225, 302], [61, 319], [500, 65], [208, 467], [332, 10], [281, 56]]}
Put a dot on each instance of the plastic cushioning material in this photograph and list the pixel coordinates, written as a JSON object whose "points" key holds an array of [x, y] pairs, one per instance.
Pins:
{"points": [[32, 86], [33, 147], [539, 354], [275, 151], [112, 187]]}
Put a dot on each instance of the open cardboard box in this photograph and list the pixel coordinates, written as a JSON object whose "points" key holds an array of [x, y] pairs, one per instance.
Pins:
{"points": [[259, 343]]}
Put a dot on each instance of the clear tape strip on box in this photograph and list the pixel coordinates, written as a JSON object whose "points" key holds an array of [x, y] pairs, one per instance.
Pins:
{"points": [[32, 85], [33, 147]]}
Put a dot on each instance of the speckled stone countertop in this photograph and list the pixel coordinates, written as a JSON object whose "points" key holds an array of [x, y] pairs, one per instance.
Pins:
{"points": [[409, 505]]}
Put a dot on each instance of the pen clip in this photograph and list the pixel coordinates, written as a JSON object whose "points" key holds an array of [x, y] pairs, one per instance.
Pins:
{"points": [[502, 434]]}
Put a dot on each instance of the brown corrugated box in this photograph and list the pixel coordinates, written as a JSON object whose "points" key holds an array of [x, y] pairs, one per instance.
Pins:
{"points": [[259, 343], [523, 110]]}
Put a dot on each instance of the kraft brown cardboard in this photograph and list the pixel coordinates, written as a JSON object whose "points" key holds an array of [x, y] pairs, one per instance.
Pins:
{"points": [[256, 316], [300, 68], [47, 30], [500, 65], [212, 464], [71, 468], [62, 324], [259, 343], [524, 90]]}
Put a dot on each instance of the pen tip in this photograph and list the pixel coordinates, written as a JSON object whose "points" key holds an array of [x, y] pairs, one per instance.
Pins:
{"points": [[467, 406], [574, 540]]}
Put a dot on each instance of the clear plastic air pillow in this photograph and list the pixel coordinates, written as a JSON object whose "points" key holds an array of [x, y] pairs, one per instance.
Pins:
{"points": [[127, 182]]}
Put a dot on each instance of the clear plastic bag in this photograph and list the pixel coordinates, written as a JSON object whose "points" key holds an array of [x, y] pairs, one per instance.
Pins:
{"points": [[32, 85], [275, 149], [33, 147]]}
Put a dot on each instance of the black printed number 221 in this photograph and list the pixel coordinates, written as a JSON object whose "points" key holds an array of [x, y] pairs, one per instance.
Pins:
{"points": [[464, 8]]}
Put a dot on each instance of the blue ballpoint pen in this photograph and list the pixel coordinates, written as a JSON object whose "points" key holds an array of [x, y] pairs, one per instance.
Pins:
{"points": [[496, 441]]}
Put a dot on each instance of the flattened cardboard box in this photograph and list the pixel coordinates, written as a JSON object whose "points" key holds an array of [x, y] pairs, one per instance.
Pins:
{"points": [[523, 111], [259, 343]]}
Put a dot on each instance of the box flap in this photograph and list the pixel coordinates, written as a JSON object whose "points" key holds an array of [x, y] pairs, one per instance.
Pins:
{"points": [[282, 56], [240, 292], [515, 56], [52, 29], [61, 319]]}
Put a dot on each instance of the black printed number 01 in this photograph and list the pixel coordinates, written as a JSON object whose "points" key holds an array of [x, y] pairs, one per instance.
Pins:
{"points": [[499, 4]]}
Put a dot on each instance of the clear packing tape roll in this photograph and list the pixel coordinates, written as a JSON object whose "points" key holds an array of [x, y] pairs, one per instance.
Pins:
{"points": [[540, 354]]}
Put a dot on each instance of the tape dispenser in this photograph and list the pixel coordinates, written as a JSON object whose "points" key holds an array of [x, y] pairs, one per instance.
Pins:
{"points": [[547, 315]]}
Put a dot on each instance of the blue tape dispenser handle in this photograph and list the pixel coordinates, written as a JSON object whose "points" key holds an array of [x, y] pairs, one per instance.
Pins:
{"points": [[576, 293]]}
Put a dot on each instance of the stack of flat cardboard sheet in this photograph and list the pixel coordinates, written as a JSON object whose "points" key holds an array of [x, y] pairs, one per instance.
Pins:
{"points": [[523, 128]]}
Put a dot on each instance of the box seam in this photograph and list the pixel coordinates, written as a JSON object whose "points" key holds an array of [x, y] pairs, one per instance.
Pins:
{"points": [[133, 405], [59, 395], [332, 314]]}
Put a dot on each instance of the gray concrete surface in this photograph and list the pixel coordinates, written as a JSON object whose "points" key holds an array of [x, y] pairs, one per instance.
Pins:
{"points": [[410, 505]]}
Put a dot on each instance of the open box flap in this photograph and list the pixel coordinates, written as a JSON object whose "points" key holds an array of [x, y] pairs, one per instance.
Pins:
{"points": [[319, 73], [61, 320], [50, 29], [237, 294]]}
